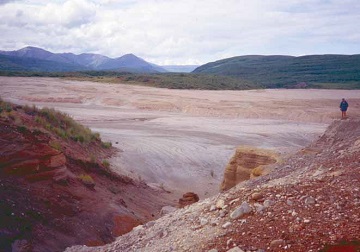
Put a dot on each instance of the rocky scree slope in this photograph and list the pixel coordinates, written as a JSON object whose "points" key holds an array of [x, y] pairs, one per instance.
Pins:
{"points": [[309, 202], [56, 189]]}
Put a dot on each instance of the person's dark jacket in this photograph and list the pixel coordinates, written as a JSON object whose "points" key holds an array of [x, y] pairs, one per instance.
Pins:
{"points": [[344, 105]]}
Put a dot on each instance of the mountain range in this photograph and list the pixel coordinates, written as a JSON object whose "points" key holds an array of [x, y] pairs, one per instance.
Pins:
{"points": [[274, 71], [37, 59]]}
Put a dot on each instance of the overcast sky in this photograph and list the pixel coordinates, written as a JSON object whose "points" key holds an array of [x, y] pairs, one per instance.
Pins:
{"points": [[184, 31]]}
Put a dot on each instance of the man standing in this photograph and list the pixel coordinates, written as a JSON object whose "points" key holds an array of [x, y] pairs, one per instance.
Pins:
{"points": [[343, 107]]}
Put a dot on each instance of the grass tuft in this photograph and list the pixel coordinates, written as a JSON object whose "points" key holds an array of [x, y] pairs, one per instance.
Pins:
{"points": [[106, 145], [52, 120], [87, 180], [106, 163]]}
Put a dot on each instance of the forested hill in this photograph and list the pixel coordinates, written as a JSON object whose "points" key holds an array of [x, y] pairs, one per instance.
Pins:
{"points": [[329, 71]]}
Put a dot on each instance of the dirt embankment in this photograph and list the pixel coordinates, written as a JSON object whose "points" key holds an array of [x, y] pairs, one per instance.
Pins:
{"points": [[57, 192], [247, 162], [308, 202]]}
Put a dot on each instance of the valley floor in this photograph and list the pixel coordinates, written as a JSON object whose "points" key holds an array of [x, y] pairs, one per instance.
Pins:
{"points": [[181, 140]]}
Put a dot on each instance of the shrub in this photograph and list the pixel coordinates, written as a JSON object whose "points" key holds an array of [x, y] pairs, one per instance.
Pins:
{"points": [[95, 136], [57, 122], [56, 145], [106, 145], [106, 163], [8, 107], [30, 110], [87, 180], [64, 126], [22, 128]]}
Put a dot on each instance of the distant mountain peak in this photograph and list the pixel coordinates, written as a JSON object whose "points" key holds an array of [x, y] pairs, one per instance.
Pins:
{"points": [[130, 55], [85, 61], [32, 48]]}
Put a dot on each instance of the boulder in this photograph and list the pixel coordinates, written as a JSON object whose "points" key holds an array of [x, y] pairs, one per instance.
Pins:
{"points": [[188, 199], [244, 208]]}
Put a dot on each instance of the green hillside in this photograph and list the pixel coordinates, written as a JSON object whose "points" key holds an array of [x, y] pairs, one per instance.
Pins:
{"points": [[318, 71]]}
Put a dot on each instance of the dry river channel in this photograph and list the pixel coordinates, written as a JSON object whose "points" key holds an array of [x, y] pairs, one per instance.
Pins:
{"points": [[181, 140]]}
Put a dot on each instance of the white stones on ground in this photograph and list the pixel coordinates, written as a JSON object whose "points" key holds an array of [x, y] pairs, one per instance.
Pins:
{"points": [[259, 208], [293, 213], [289, 202], [212, 208], [138, 228], [213, 250], [306, 221], [223, 213], [234, 201], [235, 249], [149, 224], [309, 201], [268, 203], [226, 225], [244, 208], [167, 209], [203, 221], [220, 204]]}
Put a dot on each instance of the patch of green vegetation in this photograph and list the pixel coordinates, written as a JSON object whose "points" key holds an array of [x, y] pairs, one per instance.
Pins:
{"points": [[87, 180], [55, 121], [56, 145], [106, 163], [337, 85], [162, 80], [106, 145], [22, 128], [63, 125], [5, 106], [174, 80]]}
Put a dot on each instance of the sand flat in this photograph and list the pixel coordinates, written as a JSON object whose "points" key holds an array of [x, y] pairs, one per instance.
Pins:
{"points": [[183, 139]]}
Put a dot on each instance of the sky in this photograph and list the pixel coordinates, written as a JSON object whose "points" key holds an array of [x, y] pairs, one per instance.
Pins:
{"points": [[184, 32]]}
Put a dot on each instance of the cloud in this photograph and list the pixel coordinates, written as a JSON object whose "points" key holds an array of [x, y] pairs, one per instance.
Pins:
{"points": [[170, 32], [6, 1]]}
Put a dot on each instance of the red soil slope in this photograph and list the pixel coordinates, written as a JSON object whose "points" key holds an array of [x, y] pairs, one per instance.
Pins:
{"points": [[56, 192]]}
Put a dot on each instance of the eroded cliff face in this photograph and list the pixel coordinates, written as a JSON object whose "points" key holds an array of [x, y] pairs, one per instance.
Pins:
{"points": [[56, 192], [247, 162]]}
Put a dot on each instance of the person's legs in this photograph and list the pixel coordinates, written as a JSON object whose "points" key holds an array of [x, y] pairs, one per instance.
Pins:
{"points": [[343, 114]]}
